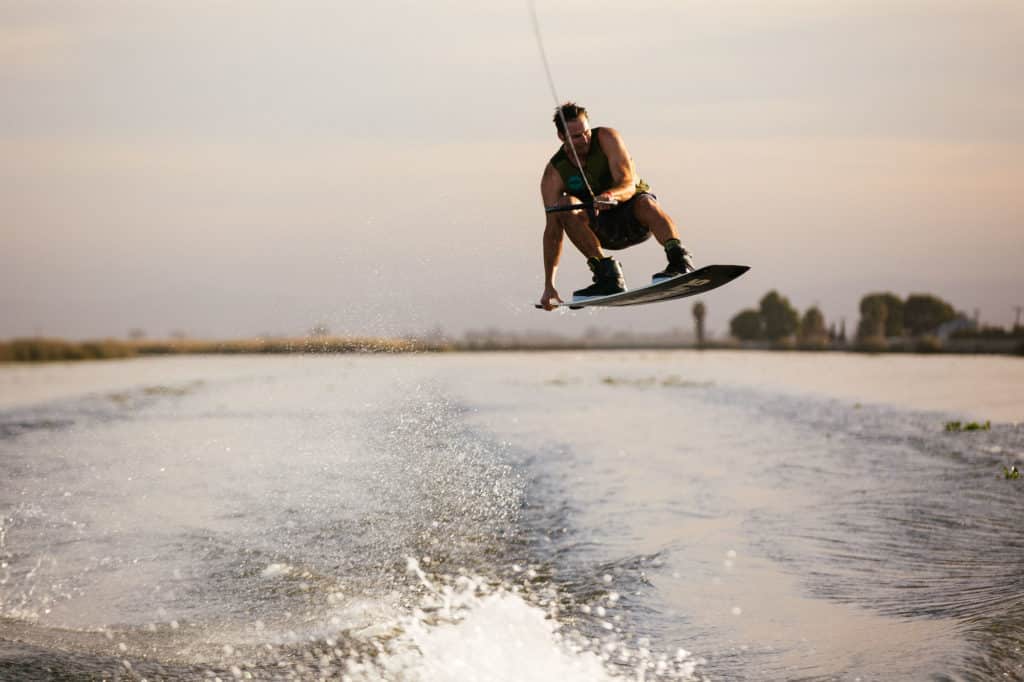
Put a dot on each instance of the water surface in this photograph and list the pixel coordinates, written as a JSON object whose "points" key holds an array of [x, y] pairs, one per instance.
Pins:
{"points": [[536, 516]]}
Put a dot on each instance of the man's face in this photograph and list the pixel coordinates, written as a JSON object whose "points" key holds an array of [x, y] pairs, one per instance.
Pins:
{"points": [[579, 135]]}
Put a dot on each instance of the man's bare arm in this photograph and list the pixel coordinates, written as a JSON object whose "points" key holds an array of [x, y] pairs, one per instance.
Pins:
{"points": [[620, 163], [552, 251], [552, 192]]}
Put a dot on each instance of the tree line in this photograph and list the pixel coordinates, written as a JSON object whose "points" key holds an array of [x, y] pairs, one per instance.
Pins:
{"points": [[883, 316], [775, 319]]}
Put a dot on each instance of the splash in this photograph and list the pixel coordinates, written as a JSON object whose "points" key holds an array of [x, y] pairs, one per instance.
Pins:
{"points": [[467, 629]]}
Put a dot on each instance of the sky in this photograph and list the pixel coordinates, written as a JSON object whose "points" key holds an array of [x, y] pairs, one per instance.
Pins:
{"points": [[226, 169]]}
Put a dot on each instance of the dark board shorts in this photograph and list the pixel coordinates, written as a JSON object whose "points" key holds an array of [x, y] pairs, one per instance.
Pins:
{"points": [[618, 228]]}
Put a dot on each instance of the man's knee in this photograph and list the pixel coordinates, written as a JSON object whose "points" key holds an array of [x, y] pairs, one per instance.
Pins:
{"points": [[647, 209], [571, 219], [646, 203]]}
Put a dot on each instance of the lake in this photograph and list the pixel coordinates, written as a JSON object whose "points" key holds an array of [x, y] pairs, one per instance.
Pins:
{"points": [[632, 515]]}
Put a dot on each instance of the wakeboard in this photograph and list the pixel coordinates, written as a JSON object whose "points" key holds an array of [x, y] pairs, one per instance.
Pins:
{"points": [[693, 283]]}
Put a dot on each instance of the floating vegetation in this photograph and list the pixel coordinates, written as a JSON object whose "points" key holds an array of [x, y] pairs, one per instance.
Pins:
{"points": [[617, 381], [171, 390], [671, 381], [1011, 473], [126, 397], [969, 426], [679, 382]]}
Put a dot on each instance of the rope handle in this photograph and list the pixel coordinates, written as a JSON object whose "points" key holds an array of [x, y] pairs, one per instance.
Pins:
{"points": [[576, 207]]}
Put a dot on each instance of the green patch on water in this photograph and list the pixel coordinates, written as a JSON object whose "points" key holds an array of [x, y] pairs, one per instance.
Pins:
{"points": [[678, 382], [167, 390], [956, 427], [671, 381], [1011, 473], [644, 382], [126, 397]]}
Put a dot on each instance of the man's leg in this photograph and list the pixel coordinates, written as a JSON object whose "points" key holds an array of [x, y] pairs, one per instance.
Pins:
{"points": [[649, 213], [577, 226], [607, 271]]}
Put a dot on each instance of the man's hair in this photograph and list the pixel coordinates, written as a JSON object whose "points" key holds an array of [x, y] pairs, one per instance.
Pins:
{"points": [[571, 111]]}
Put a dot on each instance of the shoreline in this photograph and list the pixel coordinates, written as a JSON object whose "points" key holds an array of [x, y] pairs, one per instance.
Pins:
{"points": [[41, 350]]}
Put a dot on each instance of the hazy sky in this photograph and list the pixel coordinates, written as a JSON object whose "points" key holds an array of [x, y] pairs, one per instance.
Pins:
{"points": [[234, 168]]}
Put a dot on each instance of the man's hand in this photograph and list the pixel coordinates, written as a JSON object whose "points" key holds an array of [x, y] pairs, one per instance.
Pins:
{"points": [[604, 201], [549, 298]]}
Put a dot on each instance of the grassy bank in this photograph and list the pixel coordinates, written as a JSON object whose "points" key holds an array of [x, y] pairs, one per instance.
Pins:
{"points": [[58, 350], [54, 350]]}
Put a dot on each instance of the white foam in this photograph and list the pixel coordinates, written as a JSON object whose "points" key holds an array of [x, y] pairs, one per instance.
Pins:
{"points": [[466, 631], [276, 570], [499, 638]]}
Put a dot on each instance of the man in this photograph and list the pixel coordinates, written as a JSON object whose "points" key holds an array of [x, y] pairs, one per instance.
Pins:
{"points": [[623, 212]]}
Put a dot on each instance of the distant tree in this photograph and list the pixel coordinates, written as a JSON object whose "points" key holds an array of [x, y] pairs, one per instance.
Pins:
{"points": [[893, 311], [923, 313], [812, 329], [780, 318], [873, 315], [747, 325], [320, 330], [699, 313], [842, 331]]}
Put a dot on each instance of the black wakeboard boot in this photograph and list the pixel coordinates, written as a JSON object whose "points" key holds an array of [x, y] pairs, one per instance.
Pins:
{"points": [[608, 279], [680, 262]]}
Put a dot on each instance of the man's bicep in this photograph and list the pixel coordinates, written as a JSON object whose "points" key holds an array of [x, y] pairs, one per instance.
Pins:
{"points": [[618, 156], [551, 186]]}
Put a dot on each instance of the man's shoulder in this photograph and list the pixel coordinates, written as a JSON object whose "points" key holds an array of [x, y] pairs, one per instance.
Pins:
{"points": [[610, 141], [558, 163], [551, 176]]}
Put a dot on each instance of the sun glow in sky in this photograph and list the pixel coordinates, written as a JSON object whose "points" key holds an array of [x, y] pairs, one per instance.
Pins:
{"points": [[230, 168]]}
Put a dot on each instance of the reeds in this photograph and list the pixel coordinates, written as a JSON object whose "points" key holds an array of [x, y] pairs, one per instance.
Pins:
{"points": [[50, 350], [311, 344], [56, 350]]}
